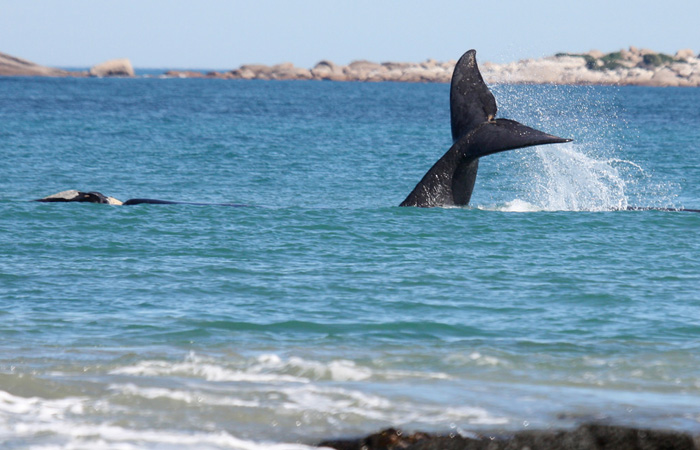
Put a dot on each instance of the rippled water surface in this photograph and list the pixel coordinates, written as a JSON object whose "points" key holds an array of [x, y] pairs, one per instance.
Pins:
{"points": [[322, 309]]}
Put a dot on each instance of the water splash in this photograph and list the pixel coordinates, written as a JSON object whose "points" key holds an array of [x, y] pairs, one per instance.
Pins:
{"points": [[587, 175], [570, 180], [567, 178]]}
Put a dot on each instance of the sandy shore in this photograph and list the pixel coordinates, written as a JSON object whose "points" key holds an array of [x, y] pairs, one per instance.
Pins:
{"points": [[585, 437]]}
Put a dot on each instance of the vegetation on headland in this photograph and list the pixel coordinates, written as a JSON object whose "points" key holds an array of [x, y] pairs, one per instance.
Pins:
{"points": [[607, 62], [621, 59]]}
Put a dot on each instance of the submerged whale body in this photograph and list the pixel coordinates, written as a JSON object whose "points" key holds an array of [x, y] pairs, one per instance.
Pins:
{"points": [[97, 197], [475, 133]]}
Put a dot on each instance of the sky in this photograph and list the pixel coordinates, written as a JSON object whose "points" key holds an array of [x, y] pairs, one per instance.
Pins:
{"points": [[224, 34]]}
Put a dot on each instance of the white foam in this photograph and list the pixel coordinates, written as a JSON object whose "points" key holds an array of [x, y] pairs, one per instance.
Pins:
{"points": [[197, 367], [574, 181], [575, 177], [337, 370], [516, 205], [475, 358], [278, 396], [62, 424], [194, 397], [42, 408], [265, 369], [306, 391], [334, 401]]}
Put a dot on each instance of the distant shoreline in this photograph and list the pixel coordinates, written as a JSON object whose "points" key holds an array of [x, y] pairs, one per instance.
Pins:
{"points": [[631, 67]]}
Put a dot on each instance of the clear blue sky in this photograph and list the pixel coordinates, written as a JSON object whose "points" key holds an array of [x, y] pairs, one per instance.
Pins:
{"points": [[223, 34]]}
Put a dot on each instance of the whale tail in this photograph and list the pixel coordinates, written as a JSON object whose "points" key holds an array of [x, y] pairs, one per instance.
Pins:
{"points": [[475, 133], [451, 179], [505, 134]]}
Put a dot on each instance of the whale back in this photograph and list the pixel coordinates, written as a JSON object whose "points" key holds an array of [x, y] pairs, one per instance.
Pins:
{"points": [[471, 101]]}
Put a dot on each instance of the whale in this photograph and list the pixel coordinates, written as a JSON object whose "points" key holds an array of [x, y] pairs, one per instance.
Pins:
{"points": [[73, 195], [476, 132]]}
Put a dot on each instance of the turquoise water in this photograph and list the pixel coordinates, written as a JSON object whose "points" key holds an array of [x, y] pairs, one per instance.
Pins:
{"points": [[323, 309]]}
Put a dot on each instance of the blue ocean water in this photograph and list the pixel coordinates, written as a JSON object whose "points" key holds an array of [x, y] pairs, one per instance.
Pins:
{"points": [[323, 309]]}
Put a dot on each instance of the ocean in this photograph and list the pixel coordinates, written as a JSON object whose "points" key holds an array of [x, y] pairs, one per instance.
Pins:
{"points": [[322, 309]]}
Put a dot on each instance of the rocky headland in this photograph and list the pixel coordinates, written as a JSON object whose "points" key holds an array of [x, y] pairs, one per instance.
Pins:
{"points": [[633, 66], [11, 66], [639, 67]]}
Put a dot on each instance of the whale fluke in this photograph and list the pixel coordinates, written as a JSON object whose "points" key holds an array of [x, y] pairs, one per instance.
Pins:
{"points": [[475, 133], [450, 181]]}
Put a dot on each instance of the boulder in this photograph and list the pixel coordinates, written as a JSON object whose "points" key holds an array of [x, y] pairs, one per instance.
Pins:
{"points": [[219, 75], [328, 70], [396, 65], [253, 71], [429, 64], [282, 67], [329, 67], [113, 68], [665, 77], [637, 76], [290, 73], [683, 70], [684, 54], [365, 66]]}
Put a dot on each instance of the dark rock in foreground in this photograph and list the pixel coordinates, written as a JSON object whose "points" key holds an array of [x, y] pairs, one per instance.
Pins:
{"points": [[585, 437]]}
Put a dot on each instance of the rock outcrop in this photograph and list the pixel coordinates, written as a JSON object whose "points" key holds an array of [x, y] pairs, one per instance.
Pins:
{"points": [[13, 66], [633, 66], [113, 68], [585, 437], [640, 67]]}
